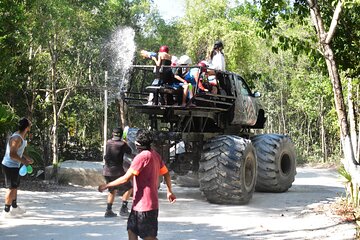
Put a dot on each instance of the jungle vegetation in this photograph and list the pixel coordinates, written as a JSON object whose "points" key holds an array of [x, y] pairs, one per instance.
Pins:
{"points": [[53, 59]]}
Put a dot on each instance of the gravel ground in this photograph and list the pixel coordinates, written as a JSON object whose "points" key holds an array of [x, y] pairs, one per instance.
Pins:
{"points": [[57, 212]]}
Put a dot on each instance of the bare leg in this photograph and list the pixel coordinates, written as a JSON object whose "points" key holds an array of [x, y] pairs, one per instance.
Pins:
{"points": [[127, 195], [111, 196], [15, 194], [10, 195], [186, 89], [8, 198], [191, 94], [214, 90], [132, 236]]}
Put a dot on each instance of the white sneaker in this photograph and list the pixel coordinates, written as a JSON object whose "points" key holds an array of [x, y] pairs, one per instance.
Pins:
{"points": [[17, 211], [9, 214]]}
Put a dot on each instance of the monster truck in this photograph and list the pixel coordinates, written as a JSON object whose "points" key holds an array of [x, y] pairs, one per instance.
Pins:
{"points": [[216, 139]]}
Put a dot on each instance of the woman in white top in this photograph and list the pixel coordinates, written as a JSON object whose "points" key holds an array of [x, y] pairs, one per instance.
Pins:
{"points": [[217, 59], [216, 63]]}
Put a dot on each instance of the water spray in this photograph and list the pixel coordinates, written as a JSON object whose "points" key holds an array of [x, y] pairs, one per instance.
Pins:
{"points": [[122, 49]]}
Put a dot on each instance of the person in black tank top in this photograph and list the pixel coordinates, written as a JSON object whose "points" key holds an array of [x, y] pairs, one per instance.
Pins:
{"points": [[163, 60]]}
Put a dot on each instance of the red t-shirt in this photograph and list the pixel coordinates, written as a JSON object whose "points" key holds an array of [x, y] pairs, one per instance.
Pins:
{"points": [[147, 166]]}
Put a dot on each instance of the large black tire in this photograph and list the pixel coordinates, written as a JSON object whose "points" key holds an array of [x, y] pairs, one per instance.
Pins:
{"points": [[227, 172], [276, 162]]}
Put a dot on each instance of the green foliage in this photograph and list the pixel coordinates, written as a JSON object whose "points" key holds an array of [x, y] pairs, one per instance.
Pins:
{"points": [[351, 187], [7, 119], [8, 122], [271, 43], [154, 33], [35, 153], [216, 20], [347, 42]]}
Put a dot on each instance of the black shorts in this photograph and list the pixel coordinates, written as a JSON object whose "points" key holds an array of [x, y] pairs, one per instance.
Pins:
{"points": [[122, 188], [12, 177], [143, 224]]}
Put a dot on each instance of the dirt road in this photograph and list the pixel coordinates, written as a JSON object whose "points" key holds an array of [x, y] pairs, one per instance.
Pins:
{"points": [[297, 214]]}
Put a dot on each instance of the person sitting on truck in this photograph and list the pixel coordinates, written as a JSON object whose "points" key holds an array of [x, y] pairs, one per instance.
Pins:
{"points": [[190, 77], [163, 72], [193, 78], [163, 59], [183, 64], [174, 61]]}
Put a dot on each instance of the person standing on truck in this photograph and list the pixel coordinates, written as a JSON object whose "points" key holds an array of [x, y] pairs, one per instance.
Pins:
{"points": [[217, 63], [145, 170], [217, 58], [14, 157], [113, 168]]}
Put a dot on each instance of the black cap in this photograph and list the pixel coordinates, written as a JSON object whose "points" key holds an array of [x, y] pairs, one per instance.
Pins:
{"points": [[117, 132], [218, 44]]}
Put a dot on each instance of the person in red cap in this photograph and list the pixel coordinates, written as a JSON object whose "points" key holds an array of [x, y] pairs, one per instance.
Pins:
{"points": [[163, 73], [163, 57], [163, 63]]}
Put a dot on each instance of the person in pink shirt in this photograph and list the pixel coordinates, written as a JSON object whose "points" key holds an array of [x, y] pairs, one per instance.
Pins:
{"points": [[145, 170]]}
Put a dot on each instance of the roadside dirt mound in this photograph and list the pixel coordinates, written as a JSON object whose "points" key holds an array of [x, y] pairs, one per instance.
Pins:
{"points": [[31, 183]]}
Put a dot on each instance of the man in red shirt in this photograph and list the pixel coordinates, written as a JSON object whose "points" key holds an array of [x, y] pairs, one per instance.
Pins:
{"points": [[145, 170]]}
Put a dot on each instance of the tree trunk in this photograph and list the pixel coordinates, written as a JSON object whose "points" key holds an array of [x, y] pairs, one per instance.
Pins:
{"points": [[54, 145], [53, 78], [105, 115], [308, 135], [54, 91], [324, 41], [322, 127], [357, 155], [339, 104], [30, 99], [122, 113], [352, 118], [302, 127], [284, 131]]}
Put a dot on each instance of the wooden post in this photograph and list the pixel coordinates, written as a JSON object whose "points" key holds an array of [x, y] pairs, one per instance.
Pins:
{"points": [[105, 114]]}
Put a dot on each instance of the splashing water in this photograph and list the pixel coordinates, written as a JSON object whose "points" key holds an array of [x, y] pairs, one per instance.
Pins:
{"points": [[122, 50]]}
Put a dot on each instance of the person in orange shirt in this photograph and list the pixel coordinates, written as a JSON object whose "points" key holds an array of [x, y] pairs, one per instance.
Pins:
{"points": [[145, 170]]}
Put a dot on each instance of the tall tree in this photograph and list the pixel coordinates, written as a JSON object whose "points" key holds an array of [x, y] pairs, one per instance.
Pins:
{"points": [[325, 34], [53, 49]]}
